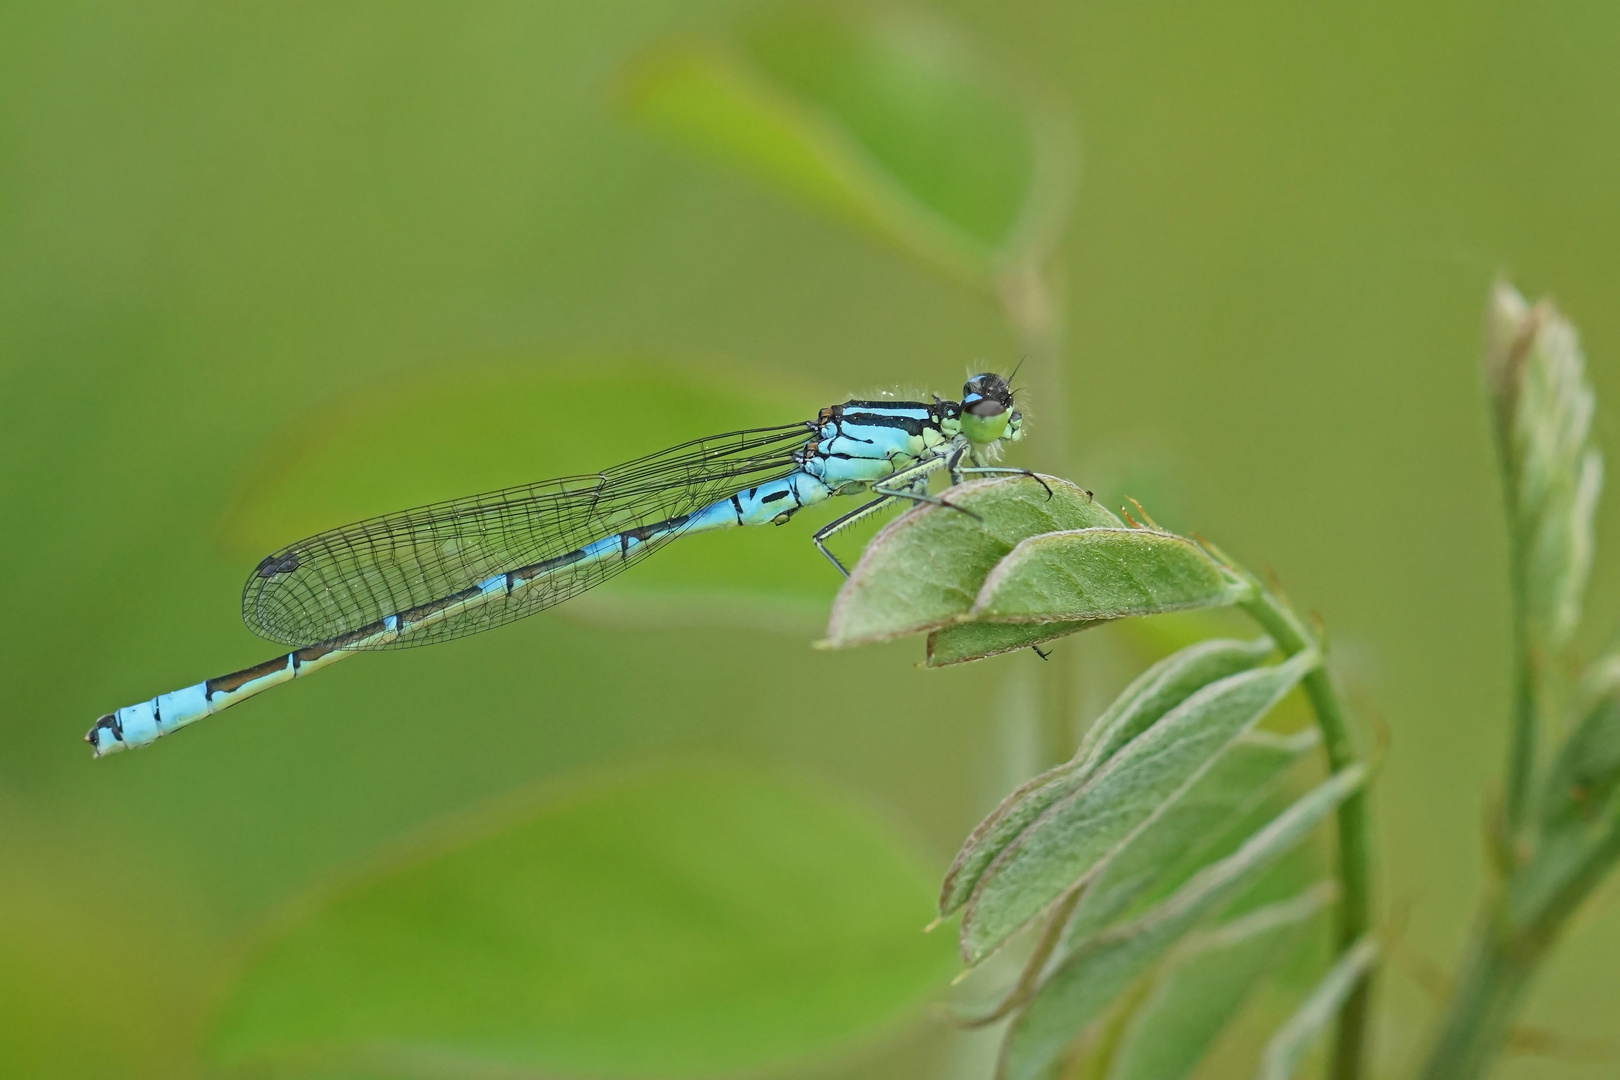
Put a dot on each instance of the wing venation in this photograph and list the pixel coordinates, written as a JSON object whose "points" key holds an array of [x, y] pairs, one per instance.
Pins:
{"points": [[336, 582]]}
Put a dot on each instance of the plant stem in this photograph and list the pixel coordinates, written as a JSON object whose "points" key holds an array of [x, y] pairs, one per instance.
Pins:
{"points": [[1522, 747], [1034, 303], [1355, 855], [1503, 956], [1494, 975]]}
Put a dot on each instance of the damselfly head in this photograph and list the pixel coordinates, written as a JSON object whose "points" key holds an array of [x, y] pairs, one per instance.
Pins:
{"points": [[988, 415]]}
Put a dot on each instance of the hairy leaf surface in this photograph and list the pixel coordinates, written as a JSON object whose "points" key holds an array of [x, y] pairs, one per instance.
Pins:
{"points": [[1207, 982], [1554, 472], [925, 568], [1072, 840], [1287, 1048], [1080, 986], [1103, 573], [980, 640], [1153, 693], [1209, 822]]}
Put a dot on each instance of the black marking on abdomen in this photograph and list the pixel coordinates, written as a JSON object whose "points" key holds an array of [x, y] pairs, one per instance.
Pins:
{"points": [[309, 653], [404, 619], [227, 684], [524, 574], [648, 532], [344, 641], [111, 723], [738, 507]]}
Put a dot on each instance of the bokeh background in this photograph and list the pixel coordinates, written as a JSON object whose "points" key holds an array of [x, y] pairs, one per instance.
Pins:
{"points": [[268, 268]]}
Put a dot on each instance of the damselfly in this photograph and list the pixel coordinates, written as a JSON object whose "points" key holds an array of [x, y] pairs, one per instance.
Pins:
{"points": [[455, 568]]}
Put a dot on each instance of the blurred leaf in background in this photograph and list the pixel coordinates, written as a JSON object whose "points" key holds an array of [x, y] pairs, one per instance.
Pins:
{"points": [[684, 921], [885, 119]]}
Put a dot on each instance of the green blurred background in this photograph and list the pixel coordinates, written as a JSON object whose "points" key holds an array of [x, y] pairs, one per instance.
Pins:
{"points": [[267, 268]]}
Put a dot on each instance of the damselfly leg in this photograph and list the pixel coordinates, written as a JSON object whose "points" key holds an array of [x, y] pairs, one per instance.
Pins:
{"points": [[957, 474], [909, 484]]}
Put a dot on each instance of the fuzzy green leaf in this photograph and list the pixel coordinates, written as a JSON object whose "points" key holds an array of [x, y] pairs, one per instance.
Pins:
{"points": [[1153, 694], [1207, 823], [1081, 985], [1206, 982], [925, 568], [1293, 1040], [964, 642], [1586, 771], [1579, 837], [1164, 686], [1554, 473], [1104, 573], [1076, 837]]}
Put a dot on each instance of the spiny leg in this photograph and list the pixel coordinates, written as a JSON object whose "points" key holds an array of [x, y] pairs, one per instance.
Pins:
{"points": [[954, 464], [912, 482], [980, 471], [903, 485], [833, 528], [915, 476], [923, 497]]}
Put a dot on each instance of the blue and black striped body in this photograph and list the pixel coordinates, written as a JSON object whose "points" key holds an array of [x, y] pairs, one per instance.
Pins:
{"points": [[850, 448], [856, 445]]}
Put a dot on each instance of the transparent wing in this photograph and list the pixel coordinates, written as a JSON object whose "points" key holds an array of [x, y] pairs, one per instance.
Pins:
{"points": [[346, 579]]}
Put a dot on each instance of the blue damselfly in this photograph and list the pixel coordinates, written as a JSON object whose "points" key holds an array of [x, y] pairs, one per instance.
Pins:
{"points": [[456, 568]]}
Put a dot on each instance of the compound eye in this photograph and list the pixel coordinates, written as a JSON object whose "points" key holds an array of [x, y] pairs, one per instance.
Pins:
{"points": [[986, 407]]}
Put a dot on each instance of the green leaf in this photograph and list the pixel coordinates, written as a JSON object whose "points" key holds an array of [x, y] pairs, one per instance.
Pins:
{"points": [[1104, 573], [1155, 692], [673, 922], [1080, 986], [1074, 839], [1209, 822], [1206, 982], [345, 459], [1554, 473], [1293, 1040], [1586, 771], [965, 642], [925, 568], [1579, 836], [1164, 686], [884, 120]]}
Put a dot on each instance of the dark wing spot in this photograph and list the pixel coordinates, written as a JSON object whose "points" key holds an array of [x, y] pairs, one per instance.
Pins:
{"points": [[283, 563]]}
